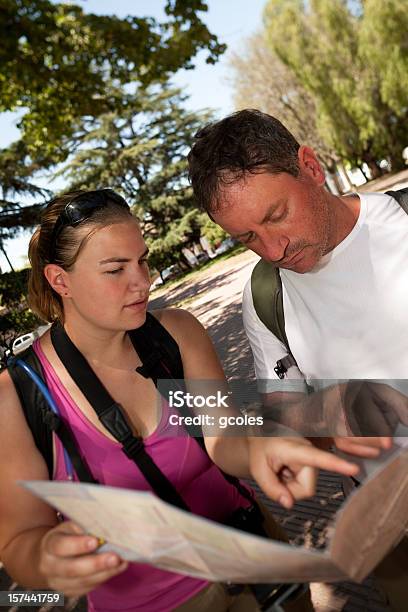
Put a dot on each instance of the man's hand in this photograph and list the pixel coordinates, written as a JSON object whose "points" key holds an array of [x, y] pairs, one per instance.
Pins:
{"points": [[372, 413], [360, 417], [367, 448], [285, 468]]}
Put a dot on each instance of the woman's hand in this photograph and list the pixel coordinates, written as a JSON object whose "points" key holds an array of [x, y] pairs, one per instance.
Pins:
{"points": [[285, 468], [69, 563]]}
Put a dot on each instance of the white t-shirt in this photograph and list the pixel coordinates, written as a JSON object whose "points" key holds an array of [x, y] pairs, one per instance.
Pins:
{"points": [[348, 317]]}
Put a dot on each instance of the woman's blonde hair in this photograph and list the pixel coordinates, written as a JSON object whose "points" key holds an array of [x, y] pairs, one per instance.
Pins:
{"points": [[42, 299]]}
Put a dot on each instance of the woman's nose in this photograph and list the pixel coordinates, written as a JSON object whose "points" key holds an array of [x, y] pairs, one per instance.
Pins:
{"points": [[140, 279]]}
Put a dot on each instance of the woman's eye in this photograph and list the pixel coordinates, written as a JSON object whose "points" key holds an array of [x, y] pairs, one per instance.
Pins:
{"points": [[114, 271]]}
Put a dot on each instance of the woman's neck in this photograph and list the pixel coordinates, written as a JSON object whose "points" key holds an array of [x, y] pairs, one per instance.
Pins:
{"points": [[106, 347]]}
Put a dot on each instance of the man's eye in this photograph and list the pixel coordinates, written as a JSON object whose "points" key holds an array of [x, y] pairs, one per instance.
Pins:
{"points": [[114, 271], [143, 261], [278, 216]]}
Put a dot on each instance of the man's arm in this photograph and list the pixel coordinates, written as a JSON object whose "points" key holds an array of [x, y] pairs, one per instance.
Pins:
{"points": [[347, 415]]}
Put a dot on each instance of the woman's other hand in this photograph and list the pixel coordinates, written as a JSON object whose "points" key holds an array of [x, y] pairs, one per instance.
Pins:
{"points": [[70, 564]]}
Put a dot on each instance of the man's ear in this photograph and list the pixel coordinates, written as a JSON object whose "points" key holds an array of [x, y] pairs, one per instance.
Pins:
{"points": [[310, 166], [58, 279]]}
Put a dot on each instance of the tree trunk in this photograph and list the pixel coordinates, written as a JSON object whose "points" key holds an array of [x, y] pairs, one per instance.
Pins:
{"points": [[363, 173], [6, 256], [347, 178], [375, 170], [397, 163]]}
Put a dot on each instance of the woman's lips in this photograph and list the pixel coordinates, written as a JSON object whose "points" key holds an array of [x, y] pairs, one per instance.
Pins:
{"points": [[139, 305]]}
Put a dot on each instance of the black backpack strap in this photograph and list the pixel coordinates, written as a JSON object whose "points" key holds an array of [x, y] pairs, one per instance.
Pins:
{"points": [[33, 403], [40, 417], [158, 351], [111, 415], [401, 195], [165, 362], [267, 296]]}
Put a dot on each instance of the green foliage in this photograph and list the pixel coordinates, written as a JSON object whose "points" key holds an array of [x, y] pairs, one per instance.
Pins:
{"points": [[55, 61], [141, 152], [263, 81], [16, 317], [213, 232], [343, 54], [55, 64], [13, 288]]}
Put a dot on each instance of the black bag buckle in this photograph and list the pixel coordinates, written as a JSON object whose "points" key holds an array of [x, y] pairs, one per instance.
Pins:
{"points": [[113, 419], [280, 369], [51, 420], [133, 446]]}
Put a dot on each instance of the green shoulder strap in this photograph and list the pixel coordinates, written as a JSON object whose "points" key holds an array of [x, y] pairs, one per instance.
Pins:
{"points": [[266, 286], [401, 196]]}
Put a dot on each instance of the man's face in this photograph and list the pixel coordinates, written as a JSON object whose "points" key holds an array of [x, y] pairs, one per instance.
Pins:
{"points": [[284, 219]]}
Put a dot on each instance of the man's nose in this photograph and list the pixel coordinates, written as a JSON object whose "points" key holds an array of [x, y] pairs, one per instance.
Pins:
{"points": [[273, 248]]}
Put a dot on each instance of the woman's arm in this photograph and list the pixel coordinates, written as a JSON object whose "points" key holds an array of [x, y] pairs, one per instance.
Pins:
{"points": [[36, 551], [244, 455], [24, 519]]}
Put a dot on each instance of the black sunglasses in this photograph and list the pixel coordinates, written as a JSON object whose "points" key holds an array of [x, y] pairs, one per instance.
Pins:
{"points": [[80, 208]]}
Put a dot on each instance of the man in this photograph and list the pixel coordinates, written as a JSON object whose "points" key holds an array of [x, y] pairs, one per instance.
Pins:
{"points": [[342, 264]]}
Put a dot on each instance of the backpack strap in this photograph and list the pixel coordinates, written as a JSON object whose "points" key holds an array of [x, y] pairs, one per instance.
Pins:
{"points": [[27, 375], [158, 351], [111, 415], [267, 296], [33, 403], [165, 362], [401, 195]]}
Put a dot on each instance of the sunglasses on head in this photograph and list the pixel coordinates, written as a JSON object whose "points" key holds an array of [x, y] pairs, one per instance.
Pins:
{"points": [[80, 208]]}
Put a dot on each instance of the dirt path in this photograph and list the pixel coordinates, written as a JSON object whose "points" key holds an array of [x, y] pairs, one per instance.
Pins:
{"points": [[214, 297]]}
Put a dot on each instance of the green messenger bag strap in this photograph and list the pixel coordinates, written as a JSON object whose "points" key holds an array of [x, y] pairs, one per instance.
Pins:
{"points": [[267, 295]]}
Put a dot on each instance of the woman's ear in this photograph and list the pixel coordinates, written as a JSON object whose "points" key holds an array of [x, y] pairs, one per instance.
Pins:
{"points": [[58, 279], [310, 166]]}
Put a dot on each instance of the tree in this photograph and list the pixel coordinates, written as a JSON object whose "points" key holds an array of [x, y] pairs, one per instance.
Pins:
{"points": [[261, 80], [55, 61], [141, 152], [328, 46], [16, 317]]}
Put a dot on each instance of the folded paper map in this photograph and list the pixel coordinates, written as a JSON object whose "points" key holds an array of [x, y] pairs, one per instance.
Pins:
{"points": [[141, 527]]}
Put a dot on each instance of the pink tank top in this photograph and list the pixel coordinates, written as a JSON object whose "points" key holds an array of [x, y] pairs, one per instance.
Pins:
{"points": [[143, 587]]}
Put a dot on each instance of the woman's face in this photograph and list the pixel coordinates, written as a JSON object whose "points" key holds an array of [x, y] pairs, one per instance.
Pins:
{"points": [[109, 282]]}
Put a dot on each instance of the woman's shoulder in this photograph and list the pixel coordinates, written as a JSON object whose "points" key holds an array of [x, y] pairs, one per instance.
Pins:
{"points": [[14, 424], [181, 324], [8, 391]]}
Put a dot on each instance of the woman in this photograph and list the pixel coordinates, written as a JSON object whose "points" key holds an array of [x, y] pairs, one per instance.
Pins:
{"points": [[89, 270]]}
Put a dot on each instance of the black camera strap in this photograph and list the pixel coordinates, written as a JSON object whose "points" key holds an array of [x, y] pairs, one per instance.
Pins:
{"points": [[111, 415]]}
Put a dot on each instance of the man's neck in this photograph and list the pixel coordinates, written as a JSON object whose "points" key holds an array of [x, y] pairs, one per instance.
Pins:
{"points": [[346, 210]]}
